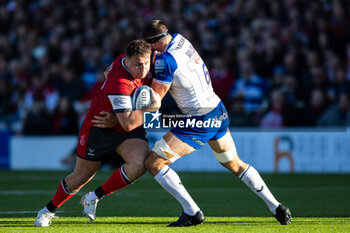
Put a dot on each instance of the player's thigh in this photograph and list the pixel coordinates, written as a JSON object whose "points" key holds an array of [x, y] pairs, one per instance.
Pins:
{"points": [[133, 150], [223, 144], [177, 145]]}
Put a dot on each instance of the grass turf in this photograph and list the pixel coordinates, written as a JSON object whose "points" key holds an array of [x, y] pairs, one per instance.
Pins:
{"points": [[319, 203]]}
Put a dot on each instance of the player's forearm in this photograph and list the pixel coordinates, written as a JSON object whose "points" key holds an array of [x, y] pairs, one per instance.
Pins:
{"points": [[161, 89], [130, 120]]}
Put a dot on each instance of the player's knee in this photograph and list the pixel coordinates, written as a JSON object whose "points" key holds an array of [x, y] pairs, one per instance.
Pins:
{"points": [[227, 156], [163, 150], [139, 169], [154, 163], [150, 160], [136, 161]]}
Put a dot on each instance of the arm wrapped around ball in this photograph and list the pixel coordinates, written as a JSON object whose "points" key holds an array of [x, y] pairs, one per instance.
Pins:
{"points": [[133, 119]]}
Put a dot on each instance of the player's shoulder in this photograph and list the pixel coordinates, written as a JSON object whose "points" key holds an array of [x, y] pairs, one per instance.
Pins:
{"points": [[173, 55], [178, 45], [119, 83], [118, 72], [177, 49], [119, 76], [117, 61], [165, 56], [164, 61]]}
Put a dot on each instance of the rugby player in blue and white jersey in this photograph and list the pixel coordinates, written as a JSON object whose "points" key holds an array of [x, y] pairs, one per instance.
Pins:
{"points": [[180, 70]]}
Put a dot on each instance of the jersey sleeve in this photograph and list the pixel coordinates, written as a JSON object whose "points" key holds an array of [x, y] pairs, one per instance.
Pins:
{"points": [[120, 103], [164, 68], [119, 95]]}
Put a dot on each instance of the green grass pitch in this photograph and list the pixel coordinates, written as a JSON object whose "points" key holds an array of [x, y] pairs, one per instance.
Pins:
{"points": [[319, 203]]}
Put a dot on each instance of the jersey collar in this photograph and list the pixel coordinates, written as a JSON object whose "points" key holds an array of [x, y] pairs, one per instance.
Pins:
{"points": [[171, 42], [122, 61]]}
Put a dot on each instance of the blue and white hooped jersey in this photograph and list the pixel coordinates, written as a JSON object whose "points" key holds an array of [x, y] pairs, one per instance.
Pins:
{"points": [[181, 67]]}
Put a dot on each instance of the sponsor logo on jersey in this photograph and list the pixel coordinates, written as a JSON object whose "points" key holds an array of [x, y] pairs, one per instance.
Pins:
{"points": [[82, 140], [198, 141], [197, 59], [134, 82], [224, 116], [159, 64], [120, 102], [115, 101]]}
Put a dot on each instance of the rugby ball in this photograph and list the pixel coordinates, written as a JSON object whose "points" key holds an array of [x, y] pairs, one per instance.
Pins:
{"points": [[141, 97]]}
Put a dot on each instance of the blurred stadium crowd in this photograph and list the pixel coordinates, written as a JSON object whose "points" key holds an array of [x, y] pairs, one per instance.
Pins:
{"points": [[274, 63]]}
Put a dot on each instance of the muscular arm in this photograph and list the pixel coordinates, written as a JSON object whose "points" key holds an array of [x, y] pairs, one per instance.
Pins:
{"points": [[132, 120], [161, 89], [128, 120]]}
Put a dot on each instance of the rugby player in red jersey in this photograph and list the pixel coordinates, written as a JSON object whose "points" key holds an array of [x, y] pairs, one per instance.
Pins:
{"points": [[127, 138]]}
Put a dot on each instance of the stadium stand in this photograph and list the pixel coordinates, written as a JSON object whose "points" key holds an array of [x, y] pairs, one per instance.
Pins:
{"points": [[53, 53]]}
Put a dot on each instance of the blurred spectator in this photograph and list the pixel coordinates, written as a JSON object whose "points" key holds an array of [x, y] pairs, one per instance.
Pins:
{"points": [[70, 84], [7, 108], [337, 115], [340, 85], [238, 116], [293, 101], [65, 119], [89, 94], [251, 87], [221, 78], [40, 89], [274, 118], [37, 121], [315, 108], [278, 77]]}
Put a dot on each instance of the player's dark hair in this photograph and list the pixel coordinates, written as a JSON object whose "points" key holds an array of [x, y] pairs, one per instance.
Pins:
{"points": [[138, 47], [154, 28]]}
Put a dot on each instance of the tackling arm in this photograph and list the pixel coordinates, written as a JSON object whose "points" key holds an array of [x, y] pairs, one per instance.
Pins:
{"points": [[161, 89]]}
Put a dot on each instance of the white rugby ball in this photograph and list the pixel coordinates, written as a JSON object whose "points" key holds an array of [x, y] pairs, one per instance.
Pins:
{"points": [[141, 97]]}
